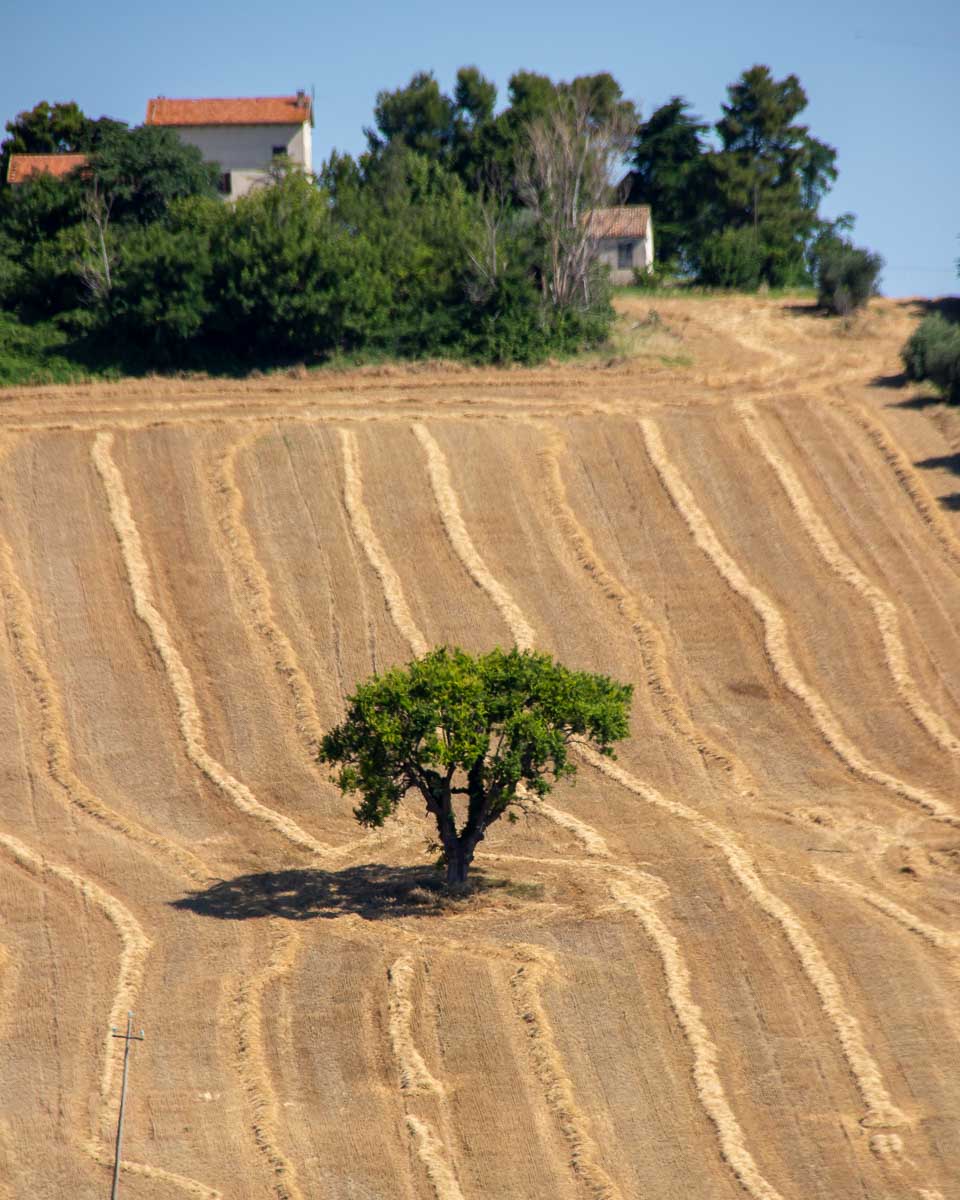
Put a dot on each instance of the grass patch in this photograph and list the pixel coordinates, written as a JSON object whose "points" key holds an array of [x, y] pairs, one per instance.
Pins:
{"points": [[691, 291], [37, 353]]}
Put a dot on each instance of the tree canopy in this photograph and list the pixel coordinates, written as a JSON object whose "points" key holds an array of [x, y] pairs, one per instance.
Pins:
{"points": [[459, 231], [61, 128], [671, 174], [743, 210], [471, 736], [146, 168]]}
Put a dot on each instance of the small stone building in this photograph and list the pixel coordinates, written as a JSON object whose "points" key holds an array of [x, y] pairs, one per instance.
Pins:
{"points": [[623, 239], [243, 135]]}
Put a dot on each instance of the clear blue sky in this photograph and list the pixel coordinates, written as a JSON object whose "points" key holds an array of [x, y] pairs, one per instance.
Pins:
{"points": [[883, 79]]}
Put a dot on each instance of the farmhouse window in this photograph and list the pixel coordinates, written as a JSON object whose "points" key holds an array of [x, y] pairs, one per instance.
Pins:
{"points": [[624, 255], [225, 184], [279, 151]]}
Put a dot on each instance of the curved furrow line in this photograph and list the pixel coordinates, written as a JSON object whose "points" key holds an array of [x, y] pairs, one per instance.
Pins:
{"points": [[9, 974], [525, 984], [53, 727], [415, 1077], [399, 610], [431, 1153], [588, 837], [881, 1110], [897, 459], [775, 634], [653, 652], [941, 938], [884, 611], [177, 419], [462, 543], [181, 682], [255, 586], [200, 1191], [364, 532], [135, 946], [245, 1018], [866, 1073], [523, 635], [706, 1076]]}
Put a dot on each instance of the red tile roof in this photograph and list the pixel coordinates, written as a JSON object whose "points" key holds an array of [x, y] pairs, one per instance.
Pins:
{"points": [[252, 110], [627, 220], [23, 166]]}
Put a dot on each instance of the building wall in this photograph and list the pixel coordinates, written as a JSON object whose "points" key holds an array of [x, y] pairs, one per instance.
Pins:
{"points": [[607, 251], [246, 150]]}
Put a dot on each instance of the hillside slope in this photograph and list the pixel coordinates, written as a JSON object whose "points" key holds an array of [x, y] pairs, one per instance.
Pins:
{"points": [[724, 965]]}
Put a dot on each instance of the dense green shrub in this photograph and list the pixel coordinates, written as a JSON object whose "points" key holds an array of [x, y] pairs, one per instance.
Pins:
{"points": [[36, 353], [846, 275], [733, 258], [141, 172], [933, 352], [160, 298], [287, 280]]}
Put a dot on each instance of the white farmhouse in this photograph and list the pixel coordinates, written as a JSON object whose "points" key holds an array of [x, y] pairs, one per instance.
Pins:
{"points": [[622, 237], [243, 135]]}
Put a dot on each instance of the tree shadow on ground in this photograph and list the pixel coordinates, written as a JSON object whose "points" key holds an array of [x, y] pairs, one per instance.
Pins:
{"points": [[920, 401], [807, 308], [946, 462], [372, 891], [889, 381]]}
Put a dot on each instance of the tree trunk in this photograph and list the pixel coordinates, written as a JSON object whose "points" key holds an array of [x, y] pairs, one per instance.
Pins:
{"points": [[459, 857]]}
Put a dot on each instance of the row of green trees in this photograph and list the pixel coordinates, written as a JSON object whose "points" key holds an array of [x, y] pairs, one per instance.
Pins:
{"points": [[458, 230], [402, 251], [743, 209]]}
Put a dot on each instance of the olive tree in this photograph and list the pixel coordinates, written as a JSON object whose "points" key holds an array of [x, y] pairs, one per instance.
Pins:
{"points": [[475, 737]]}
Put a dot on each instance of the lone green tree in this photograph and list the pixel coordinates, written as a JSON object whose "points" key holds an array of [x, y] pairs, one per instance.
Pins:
{"points": [[475, 736]]}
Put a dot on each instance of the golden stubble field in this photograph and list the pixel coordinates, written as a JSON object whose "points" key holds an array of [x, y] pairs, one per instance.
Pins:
{"points": [[724, 965]]}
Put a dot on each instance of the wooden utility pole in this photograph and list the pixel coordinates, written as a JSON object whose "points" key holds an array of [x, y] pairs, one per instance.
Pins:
{"points": [[128, 1037]]}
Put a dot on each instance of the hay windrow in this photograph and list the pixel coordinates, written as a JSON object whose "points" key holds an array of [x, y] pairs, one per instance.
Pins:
{"points": [[776, 634], [884, 610], [181, 682]]}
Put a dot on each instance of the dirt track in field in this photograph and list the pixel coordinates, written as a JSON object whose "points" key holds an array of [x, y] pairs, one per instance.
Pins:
{"points": [[726, 964]]}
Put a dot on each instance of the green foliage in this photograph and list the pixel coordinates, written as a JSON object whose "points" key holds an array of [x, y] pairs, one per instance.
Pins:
{"points": [[461, 131], [36, 353], [160, 296], [733, 258], [767, 175], [933, 352], [453, 725], [288, 279], [418, 115], [512, 325], [52, 129], [142, 171], [670, 173], [846, 275], [771, 172]]}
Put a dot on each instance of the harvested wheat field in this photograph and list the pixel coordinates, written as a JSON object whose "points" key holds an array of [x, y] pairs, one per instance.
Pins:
{"points": [[725, 964]]}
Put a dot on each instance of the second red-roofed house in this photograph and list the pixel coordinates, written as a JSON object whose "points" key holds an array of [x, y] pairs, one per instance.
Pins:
{"points": [[244, 135], [28, 166]]}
